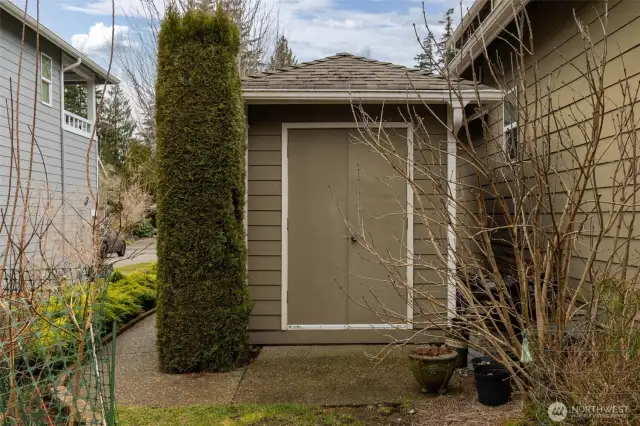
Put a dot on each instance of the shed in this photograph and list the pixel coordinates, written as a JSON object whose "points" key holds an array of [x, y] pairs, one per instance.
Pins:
{"points": [[309, 175]]}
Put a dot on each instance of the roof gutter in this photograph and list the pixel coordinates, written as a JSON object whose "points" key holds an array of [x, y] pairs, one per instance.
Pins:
{"points": [[257, 96], [496, 22], [466, 20], [19, 14]]}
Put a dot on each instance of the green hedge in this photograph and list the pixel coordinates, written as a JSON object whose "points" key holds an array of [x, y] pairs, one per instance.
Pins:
{"points": [[203, 299], [126, 297], [143, 229]]}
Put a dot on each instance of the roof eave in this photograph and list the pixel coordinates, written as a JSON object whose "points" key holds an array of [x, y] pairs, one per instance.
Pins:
{"points": [[466, 20], [495, 23], [19, 14], [258, 96]]}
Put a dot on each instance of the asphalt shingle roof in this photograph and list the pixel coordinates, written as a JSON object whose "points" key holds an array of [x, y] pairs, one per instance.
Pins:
{"points": [[345, 71]]}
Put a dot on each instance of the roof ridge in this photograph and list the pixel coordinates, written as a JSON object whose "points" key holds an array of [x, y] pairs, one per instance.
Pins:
{"points": [[396, 66], [297, 66], [339, 56], [409, 72], [390, 65]]}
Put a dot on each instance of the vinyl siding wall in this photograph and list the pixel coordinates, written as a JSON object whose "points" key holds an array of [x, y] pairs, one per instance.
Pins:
{"points": [[264, 207], [559, 62], [47, 175]]}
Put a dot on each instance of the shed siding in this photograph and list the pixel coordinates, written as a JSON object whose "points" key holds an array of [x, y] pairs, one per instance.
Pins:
{"points": [[265, 215], [560, 60]]}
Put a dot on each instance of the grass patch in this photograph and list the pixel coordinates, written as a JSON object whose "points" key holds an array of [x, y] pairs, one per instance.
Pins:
{"points": [[141, 267], [236, 415]]}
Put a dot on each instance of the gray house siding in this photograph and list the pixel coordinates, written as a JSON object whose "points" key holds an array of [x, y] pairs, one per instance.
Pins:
{"points": [[56, 173]]}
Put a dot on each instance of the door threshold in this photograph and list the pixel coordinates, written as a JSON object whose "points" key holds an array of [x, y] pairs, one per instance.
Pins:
{"points": [[349, 327]]}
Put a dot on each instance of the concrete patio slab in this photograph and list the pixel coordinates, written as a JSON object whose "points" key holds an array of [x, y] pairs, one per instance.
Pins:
{"points": [[327, 375], [140, 383]]}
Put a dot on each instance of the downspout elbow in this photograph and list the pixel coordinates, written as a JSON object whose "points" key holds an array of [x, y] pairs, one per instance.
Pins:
{"points": [[72, 66]]}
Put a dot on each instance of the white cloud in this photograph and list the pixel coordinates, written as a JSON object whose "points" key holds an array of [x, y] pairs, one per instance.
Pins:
{"points": [[98, 40], [104, 7], [318, 28]]}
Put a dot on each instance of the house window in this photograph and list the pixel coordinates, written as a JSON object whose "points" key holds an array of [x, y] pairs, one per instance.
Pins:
{"points": [[46, 75], [510, 125]]}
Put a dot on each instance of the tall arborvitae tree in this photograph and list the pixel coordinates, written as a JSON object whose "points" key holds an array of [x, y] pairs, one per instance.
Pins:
{"points": [[203, 298], [282, 56], [116, 128]]}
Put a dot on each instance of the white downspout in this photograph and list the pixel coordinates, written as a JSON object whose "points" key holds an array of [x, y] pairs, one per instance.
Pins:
{"points": [[62, 160], [455, 115]]}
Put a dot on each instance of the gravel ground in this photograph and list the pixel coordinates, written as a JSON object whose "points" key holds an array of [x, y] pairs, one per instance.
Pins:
{"points": [[460, 407]]}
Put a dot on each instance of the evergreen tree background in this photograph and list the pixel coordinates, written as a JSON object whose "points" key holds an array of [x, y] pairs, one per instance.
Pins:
{"points": [[116, 128], [282, 56], [203, 297], [436, 55], [426, 60], [446, 52], [75, 99]]}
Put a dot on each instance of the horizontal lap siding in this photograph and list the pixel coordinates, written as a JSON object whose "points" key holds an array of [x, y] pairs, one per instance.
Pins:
{"points": [[78, 188], [265, 231], [46, 168], [264, 205], [429, 276], [560, 60]]}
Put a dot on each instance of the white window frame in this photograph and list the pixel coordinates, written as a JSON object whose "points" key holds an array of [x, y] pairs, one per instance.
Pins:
{"points": [[44, 79], [511, 127]]}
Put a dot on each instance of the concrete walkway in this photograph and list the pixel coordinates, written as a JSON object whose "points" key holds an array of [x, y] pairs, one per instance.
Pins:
{"points": [[140, 383], [139, 251], [327, 375], [320, 375]]}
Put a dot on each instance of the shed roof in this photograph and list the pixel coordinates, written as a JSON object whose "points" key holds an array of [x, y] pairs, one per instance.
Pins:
{"points": [[345, 71]]}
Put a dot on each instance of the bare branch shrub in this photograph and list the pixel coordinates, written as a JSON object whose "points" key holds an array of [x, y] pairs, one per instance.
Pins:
{"points": [[546, 246], [52, 276], [256, 19], [124, 201]]}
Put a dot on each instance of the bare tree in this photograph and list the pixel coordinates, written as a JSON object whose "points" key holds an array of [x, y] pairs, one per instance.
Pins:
{"points": [[52, 273], [255, 18], [546, 276]]}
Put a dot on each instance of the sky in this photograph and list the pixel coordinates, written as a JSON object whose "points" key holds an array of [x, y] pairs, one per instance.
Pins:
{"points": [[379, 29]]}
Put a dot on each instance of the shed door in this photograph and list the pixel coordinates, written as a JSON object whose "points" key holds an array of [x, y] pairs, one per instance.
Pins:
{"points": [[332, 280]]}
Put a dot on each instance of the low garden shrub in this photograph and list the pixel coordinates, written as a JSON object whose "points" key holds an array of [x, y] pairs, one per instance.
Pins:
{"points": [[129, 295], [144, 229], [126, 296]]}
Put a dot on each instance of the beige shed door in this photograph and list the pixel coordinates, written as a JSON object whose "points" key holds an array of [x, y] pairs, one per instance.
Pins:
{"points": [[332, 279]]}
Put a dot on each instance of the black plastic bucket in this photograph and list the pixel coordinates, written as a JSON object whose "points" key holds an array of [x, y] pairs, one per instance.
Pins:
{"points": [[493, 385], [482, 362]]}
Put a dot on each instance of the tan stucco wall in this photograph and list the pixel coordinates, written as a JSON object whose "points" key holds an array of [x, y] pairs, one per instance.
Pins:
{"points": [[264, 207]]}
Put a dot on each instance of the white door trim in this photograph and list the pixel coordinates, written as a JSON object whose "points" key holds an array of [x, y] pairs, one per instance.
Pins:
{"points": [[285, 227]]}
